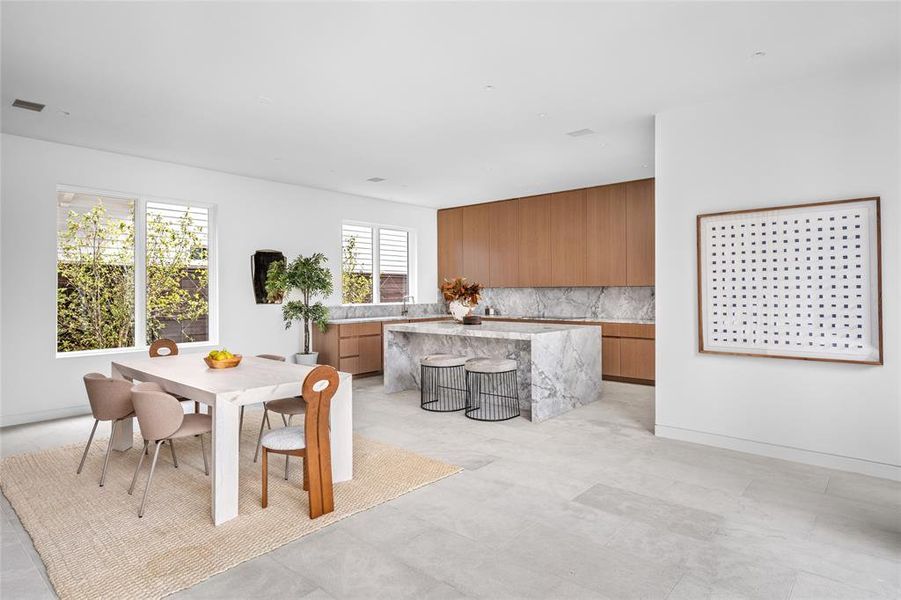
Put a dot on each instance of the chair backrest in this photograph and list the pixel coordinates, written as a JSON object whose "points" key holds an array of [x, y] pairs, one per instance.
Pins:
{"points": [[163, 347], [109, 398], [159, 414], [319, 387], [271, 357]]}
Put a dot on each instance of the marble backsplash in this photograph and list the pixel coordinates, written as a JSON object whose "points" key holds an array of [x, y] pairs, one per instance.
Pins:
{"points": [[593, 302], [361, 311]]}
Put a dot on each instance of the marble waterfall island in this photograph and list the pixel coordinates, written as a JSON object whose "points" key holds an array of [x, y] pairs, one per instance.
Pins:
{"points": [[559, 366]]}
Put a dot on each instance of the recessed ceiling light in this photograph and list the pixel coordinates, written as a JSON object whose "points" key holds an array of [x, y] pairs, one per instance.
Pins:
{"points": [[644, 166], [542, 115], [758, 54], [63, 113], [27, 105], [376, 179], [277, 158], [264, 99], [581, 132], [489, 88]]}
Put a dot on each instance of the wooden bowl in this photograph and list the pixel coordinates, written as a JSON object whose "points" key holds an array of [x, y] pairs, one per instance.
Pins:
{"points": [[228, 363]]}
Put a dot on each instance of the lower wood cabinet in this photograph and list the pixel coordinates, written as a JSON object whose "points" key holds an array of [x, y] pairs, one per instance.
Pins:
{"points": [[627, 352], [636, 358], [610, 356], [354, 348]]}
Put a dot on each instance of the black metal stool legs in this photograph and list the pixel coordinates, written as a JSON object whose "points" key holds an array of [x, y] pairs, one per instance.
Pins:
{"points": [[442, 389], [492, 396]]}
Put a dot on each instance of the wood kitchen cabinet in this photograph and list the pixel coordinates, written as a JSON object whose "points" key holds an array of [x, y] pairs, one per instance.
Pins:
{"points": [[610, 350], [534, 242], [476, 247], [503, 237], [640, 232], [605, 220], [450, 244], [355, 348], [636, 358], [567, 238]]}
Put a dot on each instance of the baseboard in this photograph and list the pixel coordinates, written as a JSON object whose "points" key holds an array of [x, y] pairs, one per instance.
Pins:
{"points": [[44, 415], [649, 382], [810, 457]]}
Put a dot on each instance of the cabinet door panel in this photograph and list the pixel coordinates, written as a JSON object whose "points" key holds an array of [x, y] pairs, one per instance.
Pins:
{"points": [[348, 347], [370, 353], [476, 245], [349, 365], [567, 238], [637, 358], [534, 242], [450, 243], [504, 244], [640, 232], [610, 363], [605, 218]]}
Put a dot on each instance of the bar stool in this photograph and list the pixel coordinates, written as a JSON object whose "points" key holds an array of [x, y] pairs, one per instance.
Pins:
{"points": [[443, 383], [492, 390]]}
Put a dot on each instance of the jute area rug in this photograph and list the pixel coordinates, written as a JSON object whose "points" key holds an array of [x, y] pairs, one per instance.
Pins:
{"points": [[95, 546]]}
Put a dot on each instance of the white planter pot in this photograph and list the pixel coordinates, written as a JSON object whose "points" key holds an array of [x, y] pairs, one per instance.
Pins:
{"points": [[306, 359], [458, 310]]}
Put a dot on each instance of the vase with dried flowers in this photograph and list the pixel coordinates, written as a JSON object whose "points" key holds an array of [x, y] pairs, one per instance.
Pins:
{"points": [[461, 296]]}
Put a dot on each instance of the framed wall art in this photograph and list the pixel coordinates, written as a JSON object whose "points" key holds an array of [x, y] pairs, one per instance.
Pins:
{"points": [[801, 281]]}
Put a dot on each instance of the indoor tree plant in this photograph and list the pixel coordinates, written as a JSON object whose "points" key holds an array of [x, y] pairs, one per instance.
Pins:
{"points": [[308, 277], [461, 296]]}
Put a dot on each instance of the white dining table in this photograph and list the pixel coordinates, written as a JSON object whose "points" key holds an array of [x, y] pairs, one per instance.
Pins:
{"points": [[225, 391]]}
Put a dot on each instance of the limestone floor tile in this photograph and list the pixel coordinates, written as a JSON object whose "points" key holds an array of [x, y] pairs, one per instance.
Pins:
{"points": [[262, 577], [653, 511], [814, 587], [858, 535], [861, 487], [691, 587]]}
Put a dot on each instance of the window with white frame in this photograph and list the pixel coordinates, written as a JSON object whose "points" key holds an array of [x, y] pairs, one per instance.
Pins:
{"points": [[375, 265], [130, 271]]}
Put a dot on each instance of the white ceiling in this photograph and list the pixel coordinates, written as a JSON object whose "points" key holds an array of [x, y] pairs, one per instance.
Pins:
{"points": [[353, 91]]}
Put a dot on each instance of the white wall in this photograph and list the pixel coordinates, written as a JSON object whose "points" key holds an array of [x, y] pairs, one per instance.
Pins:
{"points": [[252, 214], [820, 140]]}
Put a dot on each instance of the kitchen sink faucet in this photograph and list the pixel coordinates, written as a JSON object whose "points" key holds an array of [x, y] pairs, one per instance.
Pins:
{"points": [[403, 308]]}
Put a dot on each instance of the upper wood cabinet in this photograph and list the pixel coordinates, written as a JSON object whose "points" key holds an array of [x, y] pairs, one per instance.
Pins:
{"points": [[600, 236], [503, 263], [476, 250], [605, 219], [450, 244], [534, 242], [640, 232], [567, 238]]}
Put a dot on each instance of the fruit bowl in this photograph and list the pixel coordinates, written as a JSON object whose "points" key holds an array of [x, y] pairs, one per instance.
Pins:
{"points": [[226, 363]]}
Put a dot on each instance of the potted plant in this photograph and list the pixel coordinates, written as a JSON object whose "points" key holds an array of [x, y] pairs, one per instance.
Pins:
{"points": [[308, 277], [461, 297]]}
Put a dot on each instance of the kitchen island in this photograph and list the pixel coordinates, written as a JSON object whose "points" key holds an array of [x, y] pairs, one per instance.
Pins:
{"points": [[559, 366]]}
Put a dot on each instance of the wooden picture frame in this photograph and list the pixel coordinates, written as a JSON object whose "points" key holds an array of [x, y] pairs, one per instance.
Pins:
{"points": [[833, 290]]}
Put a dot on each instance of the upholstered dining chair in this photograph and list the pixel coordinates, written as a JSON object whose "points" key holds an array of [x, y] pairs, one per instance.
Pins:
{"points": [[310, 441], [286, 407], [167, 347], [110, 400], [161, 418]]}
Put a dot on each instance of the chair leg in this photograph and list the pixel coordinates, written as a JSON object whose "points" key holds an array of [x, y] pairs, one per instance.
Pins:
{"points": [[206, 466], [306, 475], [240, 424], [260, 437], [134, 479], [265, 478], [286, 467], [156, 455], [87, 447], [172, 449], [109, 449], [196, 408], [284, 420]]}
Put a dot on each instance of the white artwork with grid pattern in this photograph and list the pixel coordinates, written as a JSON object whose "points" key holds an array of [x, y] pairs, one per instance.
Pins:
{"points": [[797, 282]]}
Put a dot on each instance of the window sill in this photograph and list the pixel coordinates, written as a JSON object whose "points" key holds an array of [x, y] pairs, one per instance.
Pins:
{"points": [[375, 304], [132, 350]]}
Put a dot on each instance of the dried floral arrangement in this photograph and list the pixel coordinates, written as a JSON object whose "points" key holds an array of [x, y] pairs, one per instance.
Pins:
{"points": [[459, 290]]}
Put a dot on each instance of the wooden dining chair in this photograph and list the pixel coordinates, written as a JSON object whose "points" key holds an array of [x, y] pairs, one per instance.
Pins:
{"points": [[162, 419], [167, 347], [110, 400], [286, 407], [310, 442]]}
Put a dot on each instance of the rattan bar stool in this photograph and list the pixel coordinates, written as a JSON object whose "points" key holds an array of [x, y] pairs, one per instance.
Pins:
{"points": [[442, 383], [492, 389]]}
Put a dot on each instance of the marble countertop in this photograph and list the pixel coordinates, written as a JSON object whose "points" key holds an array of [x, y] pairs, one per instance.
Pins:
{"points": [[386, 318], [488, 329]]}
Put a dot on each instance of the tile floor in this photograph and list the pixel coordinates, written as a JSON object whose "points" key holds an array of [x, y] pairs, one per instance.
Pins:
{"points": [[587, 505]]}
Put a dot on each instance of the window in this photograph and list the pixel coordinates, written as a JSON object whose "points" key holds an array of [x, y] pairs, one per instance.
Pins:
{"points": [[375, 264], [130, 271]]}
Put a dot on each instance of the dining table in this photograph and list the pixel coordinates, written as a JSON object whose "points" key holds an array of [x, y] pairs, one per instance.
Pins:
{"points": [[224, 391]]}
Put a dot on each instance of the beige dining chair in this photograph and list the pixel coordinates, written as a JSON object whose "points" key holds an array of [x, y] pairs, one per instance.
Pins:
{"points": [[311, 441], [110, 400], [161, 418], [286, 407]]}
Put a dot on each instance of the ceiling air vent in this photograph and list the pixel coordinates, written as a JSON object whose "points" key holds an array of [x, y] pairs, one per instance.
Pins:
{"points": [[580, 132], [376, 179], [35, 106]]}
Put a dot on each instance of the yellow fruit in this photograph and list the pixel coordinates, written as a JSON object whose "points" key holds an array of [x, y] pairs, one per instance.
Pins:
{"points": [[213, 354]]}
